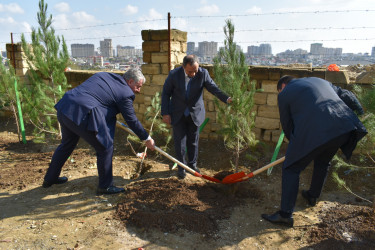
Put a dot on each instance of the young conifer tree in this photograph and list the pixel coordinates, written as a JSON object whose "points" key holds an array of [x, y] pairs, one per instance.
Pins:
{"points": [[7, 90], [47, 61], [231, 75]]}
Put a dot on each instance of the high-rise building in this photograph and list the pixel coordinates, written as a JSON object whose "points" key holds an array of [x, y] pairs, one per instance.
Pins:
{"points": [[316, 49], [263, 49], [207, 49], [128, 51], [82, 50], [373, 52], [190, 48], [106, 48]]}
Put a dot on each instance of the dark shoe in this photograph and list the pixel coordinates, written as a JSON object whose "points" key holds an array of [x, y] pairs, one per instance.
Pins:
{"points": [[196, 169], [60, 180], [278, 219], [110, 190], [181, 174], [310, 200]]}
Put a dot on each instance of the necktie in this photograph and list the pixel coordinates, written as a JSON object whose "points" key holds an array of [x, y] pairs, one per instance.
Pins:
{"points": [[187, 112]]}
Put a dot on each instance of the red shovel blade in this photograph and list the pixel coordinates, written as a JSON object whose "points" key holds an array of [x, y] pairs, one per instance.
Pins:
{"points": [[232, 178], [211, 178]]}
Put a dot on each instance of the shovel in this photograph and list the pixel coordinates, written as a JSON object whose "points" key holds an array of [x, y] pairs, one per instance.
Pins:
{"points": [[193, 172], [241, 176]]}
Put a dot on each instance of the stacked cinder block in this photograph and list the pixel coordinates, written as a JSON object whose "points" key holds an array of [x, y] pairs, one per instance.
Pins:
{"points": [[17, 59], [155, 55]]}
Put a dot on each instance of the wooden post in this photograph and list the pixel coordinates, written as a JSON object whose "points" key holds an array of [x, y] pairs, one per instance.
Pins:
{"points": [[169, 41]]}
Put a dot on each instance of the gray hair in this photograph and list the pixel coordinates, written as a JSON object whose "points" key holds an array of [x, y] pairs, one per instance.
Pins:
{"points": [[134, 74]]}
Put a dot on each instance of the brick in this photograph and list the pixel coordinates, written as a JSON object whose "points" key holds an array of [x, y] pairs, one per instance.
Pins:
{"points": [[147, 57], [151, 69], [151, 46], [146, 35], [267, 123], [272, 99], [215, 126], [158, 79], [337, 77], [151, 90], [260, 98], [269, 86], [178, 35], [175, 46], [268, 111], [258, 73], [366, 78], [160, 57], [212, 116]]}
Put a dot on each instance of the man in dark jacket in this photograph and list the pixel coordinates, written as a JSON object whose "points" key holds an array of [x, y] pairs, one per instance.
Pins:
{"points": [[182, 106], [318, 119], [89, 111]]}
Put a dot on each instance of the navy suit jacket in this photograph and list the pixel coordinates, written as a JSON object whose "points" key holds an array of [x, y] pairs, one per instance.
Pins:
{"points": [[97, 101], [312, 112], [174, 102]]}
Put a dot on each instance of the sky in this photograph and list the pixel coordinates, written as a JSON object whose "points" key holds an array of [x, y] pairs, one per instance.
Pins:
{"points": [[285, 24]]}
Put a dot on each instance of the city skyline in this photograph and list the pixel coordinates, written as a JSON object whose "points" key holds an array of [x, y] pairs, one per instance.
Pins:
{"points": [[284, 24]]}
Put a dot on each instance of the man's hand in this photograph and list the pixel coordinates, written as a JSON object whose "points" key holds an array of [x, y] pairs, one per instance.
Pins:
{"points": [[167, 119], [150, 144], [229, 101]]}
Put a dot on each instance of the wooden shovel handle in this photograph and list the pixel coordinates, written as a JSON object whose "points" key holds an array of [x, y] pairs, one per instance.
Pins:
{"points": [[124, 127], [260, 170]]}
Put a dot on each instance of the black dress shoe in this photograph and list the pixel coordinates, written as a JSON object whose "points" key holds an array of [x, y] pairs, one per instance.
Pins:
{"points": [[310, 200], [181, 174], [110, 190], [60, 180], [196, 169], [278, 219]]}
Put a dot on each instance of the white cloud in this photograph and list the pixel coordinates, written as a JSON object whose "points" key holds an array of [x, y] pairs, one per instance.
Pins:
{"points": [[77, 19], [208, 10], [254, 10], [7, 20], [12, 8], [130, 10], [153, 14], [62, 7]]}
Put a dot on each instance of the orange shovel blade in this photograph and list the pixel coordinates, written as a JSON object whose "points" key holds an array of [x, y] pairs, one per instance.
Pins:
{"points": [[232, 178], [211, 178]]}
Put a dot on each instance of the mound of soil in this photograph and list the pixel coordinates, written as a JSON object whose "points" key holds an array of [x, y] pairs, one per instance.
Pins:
{"points": [[343, 227], [171, 205]]}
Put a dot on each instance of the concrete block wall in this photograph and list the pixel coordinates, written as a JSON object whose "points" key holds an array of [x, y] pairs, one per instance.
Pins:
{"points": [[156, 69]]}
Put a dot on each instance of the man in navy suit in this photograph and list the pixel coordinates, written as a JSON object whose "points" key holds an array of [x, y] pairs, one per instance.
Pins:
{"points": [[182, 106], [318, 119], [89, 111]]}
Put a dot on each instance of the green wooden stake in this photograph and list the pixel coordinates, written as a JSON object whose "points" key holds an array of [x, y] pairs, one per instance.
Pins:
{"points": [[200, 130], [276, 152], [20, 113]]}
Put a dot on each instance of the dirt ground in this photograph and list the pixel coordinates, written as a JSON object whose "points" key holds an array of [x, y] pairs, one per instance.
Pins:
{"points": [[159, 211]]}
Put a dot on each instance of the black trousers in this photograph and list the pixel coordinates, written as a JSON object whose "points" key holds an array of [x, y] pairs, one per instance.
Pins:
{"points": [[70, 137], [186, 135], [290, 175]]}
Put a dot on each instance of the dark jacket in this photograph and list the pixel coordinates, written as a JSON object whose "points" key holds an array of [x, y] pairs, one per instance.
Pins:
{"points": [[312, 112], [174, 102], [97, 101]]}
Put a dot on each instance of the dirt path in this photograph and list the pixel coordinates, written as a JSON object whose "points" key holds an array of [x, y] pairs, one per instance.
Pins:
{"points": [[158, 211]]}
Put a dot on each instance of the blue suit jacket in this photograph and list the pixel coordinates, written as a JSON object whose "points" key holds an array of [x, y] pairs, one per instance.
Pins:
{"points": [[312, 112], [174, 102], [97, 101]]}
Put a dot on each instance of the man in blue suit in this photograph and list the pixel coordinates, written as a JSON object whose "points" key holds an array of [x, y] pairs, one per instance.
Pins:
{"points": [[89, 111], [182, 106], [318, 119]]}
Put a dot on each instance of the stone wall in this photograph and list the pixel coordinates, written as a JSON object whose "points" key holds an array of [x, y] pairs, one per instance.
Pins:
{"points": [[156, 68]]}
